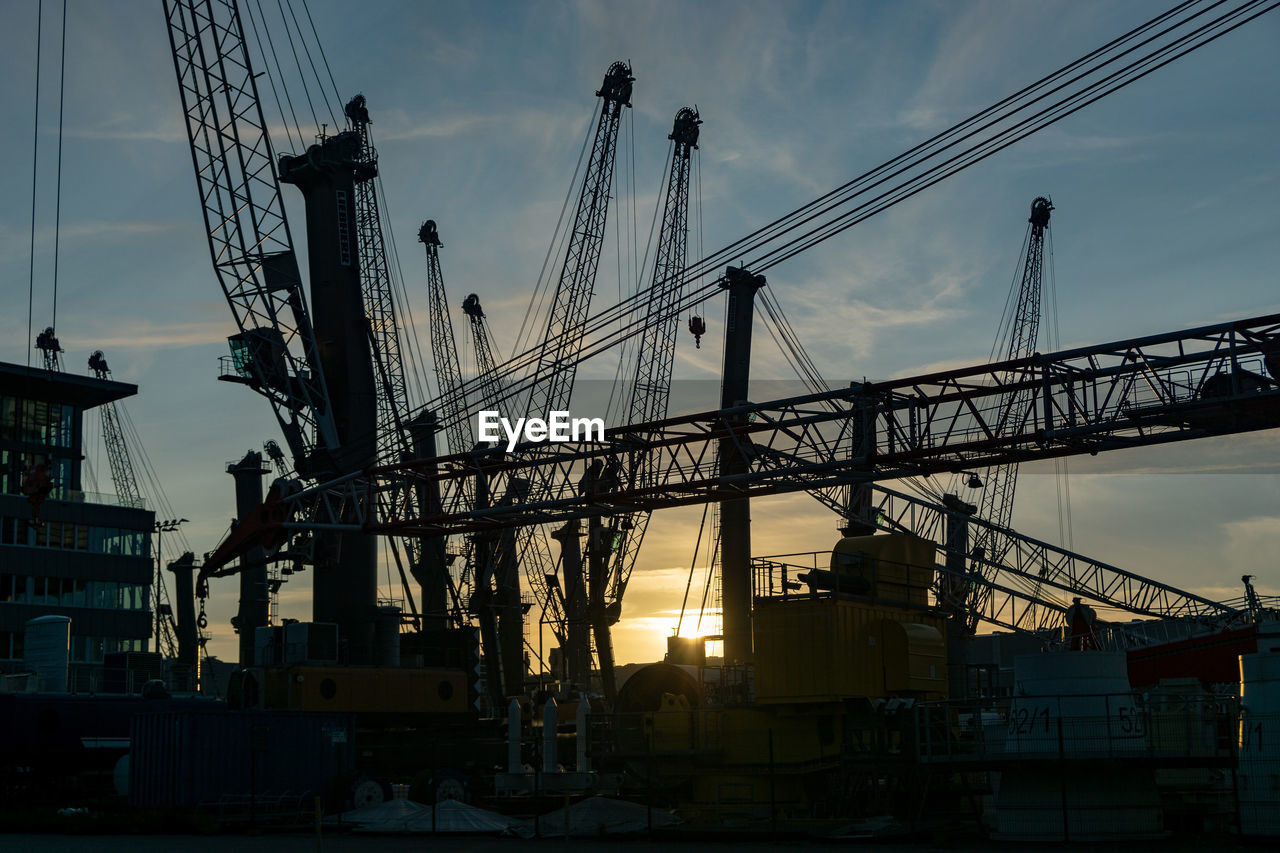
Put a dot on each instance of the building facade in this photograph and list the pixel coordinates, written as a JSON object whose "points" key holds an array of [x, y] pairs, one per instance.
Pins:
{"points": [[88, 556]]}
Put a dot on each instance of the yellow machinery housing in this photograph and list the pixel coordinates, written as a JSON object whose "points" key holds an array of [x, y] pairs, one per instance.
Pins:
{"points": [[813, 652], [368, 689], [827, 648]]}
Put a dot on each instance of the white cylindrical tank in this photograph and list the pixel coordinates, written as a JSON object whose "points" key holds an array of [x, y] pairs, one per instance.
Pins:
{"points": [[550, 721], [47, 650], [1076, 703], [1076, 708], [1259, 773], [514, 764]]}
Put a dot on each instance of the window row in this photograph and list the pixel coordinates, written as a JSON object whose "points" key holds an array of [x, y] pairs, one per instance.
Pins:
{"points": [[74, 592], [51, 424], [69, 536], [13, 472], [83, 649]]}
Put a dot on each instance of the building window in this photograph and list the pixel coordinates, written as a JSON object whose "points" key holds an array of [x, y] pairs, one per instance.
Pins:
{"points": [[8, 417], [69, 536]]}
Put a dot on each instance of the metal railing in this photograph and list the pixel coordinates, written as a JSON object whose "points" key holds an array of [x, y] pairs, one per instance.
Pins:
{"points": [[79, 497]]}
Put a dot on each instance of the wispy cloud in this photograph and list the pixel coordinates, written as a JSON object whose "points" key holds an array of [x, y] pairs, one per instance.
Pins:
{"points": [[145, 335], [16, 242], [130, 128]]}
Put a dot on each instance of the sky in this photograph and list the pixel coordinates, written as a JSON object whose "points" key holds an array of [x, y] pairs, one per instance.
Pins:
{"points": [[1166, 198]]}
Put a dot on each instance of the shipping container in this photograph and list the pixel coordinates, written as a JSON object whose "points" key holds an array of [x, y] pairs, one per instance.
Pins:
{"points": [[188, 759], [830, 649]]}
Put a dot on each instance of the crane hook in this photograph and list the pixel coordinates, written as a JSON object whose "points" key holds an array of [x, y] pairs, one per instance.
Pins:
{"points": [[699, 328]]}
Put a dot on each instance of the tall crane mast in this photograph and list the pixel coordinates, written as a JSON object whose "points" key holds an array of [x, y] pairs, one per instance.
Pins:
{"points": [[555, 368], [552, 385], [126, 484], [528, 542], [395, 436], [995, 501], [444, 351], [444, 348], [613, 552], [379, 300], [481, 343], [554, 371]]}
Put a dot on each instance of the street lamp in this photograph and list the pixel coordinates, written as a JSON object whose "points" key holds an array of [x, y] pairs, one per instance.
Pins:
{"points": [[162, 527]]}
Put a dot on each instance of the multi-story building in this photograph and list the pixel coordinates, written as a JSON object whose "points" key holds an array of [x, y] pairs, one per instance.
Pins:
{"points": [[88, 557]]}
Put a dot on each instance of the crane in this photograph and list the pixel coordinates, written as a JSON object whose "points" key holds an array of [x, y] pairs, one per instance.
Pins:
{"points": [[613, 550], [481, 343], [275, 350], [394, 440], [379, 299], [492, 615], [314, 368], [554, 371], [525, 541], [552, 383], [1004, 123], [444, 349], [995, 502], [1213, 380], [126, 484], [841, 218]]}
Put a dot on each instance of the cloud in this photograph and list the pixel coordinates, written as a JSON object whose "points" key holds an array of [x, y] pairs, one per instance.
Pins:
{"points": [[127, 127], [401, 126], [145, 335], [1250, 543], [17, 241]]}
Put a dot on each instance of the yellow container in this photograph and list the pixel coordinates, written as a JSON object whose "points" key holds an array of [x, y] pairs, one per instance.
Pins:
{"points": [[829, 649]]}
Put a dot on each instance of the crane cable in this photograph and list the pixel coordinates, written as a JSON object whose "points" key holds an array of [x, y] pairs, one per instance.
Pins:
{"points": [[271, 79], [35, 162], [1044, 118], [1066, 535], [57, 205], [839, 221], [693, 565], [558, 238]]}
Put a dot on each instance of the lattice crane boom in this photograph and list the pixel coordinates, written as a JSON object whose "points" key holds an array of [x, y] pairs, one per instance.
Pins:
{"points": [[1196, 383], [125, 480], [444, 347], [377, 289], [529, 540], [275, 351], [482, 344], [995, 502], [379, 295], [555, 368], [651, 383], [122, 472]]}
